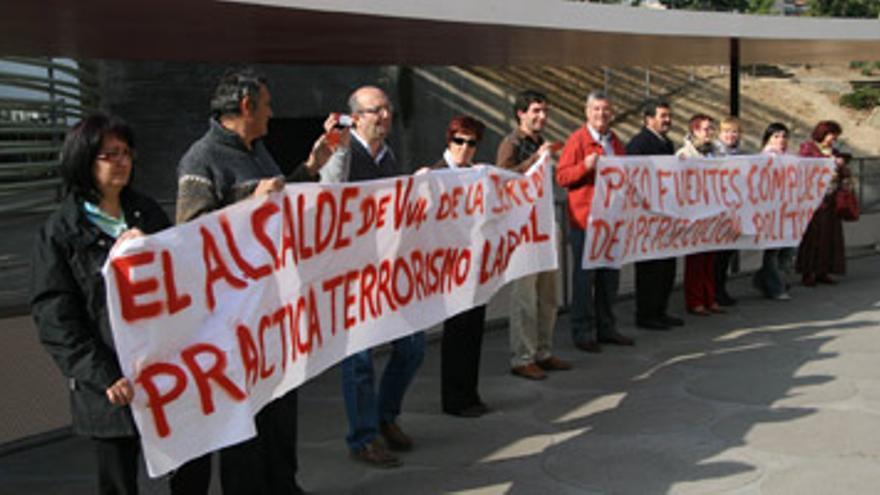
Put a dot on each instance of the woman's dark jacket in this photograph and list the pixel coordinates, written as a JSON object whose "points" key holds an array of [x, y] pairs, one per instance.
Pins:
{"points": [[69, 307]]}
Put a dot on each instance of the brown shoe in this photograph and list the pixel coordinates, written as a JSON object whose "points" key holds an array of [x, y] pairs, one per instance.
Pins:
{"points": [[529, 371], [553, 363], [376, 455], [395, 437], [699, 311], [715, 308]]}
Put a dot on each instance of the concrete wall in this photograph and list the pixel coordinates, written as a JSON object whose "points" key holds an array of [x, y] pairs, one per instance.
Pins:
{"points": [[167, 104]]}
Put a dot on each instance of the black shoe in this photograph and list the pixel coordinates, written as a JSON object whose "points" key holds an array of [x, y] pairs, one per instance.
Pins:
{"points": [[616, 339], [472, 411], [672, 321], [725, 299], [588, 345], [651, 324]]}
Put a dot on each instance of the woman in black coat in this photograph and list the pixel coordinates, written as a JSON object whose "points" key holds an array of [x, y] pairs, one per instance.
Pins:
{"points": [[462, 340], [68, 300]]}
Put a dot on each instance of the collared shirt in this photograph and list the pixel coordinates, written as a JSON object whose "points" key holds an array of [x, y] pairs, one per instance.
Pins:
{"points": [[110, 225], [603, 139], [724, 150], [447, 157], [382, 150]]}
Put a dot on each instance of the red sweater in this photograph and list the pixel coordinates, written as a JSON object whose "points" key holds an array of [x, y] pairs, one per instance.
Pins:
{"points": [[572, 175]]}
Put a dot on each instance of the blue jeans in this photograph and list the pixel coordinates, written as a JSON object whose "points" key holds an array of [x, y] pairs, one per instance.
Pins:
{"points": [[593, 295], [364, 409], [769, 278]]}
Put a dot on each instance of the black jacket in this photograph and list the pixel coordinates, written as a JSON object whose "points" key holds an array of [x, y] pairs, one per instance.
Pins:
{"points": [[647, 142], [68, 304]]}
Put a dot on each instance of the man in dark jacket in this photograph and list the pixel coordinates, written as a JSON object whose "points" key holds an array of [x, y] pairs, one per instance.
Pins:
{"points": [[654, 278], [373, 412], [230, 163]]}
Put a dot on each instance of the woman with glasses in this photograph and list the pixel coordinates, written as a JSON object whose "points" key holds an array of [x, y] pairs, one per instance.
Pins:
{"points": [[463, 333], [68, 298]]}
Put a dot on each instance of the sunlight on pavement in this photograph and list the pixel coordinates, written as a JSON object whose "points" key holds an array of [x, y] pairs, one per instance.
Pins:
{"points": [[486, 490], [533, 445], [595, 406]]}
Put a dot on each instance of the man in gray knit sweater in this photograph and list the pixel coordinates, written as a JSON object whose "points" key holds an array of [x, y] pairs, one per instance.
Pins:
{"points": [[228, 164]]}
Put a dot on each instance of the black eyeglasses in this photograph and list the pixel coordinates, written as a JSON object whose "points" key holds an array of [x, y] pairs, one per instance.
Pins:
{"points": [[116, 155], [462, 141], [377, 110]]}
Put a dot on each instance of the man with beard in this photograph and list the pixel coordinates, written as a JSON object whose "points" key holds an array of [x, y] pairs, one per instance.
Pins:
{"points": [[654, 278]]}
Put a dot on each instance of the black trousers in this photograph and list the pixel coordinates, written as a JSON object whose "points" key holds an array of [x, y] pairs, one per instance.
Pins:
{"points": [[722, 266], [460, 359], [277, 432], [265, 464], [117, 460], [654, 282]]}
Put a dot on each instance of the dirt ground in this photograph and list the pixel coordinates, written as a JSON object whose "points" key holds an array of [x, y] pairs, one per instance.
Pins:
{"points": [[811, 94]]}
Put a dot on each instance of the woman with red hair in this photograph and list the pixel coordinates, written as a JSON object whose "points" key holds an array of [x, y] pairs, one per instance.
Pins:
{"points": [[821, 251], [462, 340], [699, 268]]}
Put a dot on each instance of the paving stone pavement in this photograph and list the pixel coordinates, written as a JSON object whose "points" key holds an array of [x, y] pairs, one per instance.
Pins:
{"points": [[771, 398]]}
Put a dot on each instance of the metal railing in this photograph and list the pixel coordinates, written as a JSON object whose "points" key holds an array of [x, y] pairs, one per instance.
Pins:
{"points": [[866, 171], [39, 99]]}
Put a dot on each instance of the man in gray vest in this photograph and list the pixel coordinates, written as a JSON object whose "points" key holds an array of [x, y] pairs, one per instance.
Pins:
{"points": [[367, 156]]}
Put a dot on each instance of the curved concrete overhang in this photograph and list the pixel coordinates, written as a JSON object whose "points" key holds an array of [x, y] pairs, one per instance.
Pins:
{"points": [[448, 32]]}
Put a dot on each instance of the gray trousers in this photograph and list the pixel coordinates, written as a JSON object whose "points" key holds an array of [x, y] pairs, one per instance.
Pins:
{"points": [[534, 300]]}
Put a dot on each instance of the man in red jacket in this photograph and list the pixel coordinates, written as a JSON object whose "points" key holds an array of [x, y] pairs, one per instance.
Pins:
{"points": [[593, 291]]}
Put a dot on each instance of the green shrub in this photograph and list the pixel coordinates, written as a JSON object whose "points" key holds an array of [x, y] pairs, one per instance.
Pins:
{"points": [[867, 71], [861, 99], [857, 64]]}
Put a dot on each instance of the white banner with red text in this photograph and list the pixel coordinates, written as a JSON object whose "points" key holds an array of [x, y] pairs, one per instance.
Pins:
{"points": [[215, 318], [649, 207]]}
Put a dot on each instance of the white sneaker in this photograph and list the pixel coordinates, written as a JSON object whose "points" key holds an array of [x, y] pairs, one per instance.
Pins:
{"points": [[783, 297]]}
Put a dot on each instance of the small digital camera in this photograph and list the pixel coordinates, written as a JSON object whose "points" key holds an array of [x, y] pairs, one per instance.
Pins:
{"points": [[344, 121]]}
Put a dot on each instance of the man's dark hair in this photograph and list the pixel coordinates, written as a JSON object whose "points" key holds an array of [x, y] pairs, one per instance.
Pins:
{"points": [[525, 99], [234, 86], [80, 150], [649, 109]]}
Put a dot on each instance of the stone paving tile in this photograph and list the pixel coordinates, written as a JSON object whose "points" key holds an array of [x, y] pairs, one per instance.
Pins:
{"points": [[840, 475], [805, 432]]}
